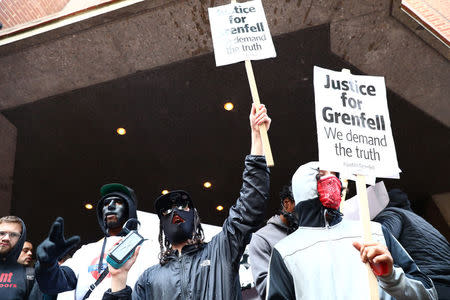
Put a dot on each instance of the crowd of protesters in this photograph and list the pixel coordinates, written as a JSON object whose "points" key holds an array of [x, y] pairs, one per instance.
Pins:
{"points": [[306, 251]]}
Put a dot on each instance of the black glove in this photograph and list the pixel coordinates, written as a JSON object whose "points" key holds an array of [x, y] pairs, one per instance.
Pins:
{"points": [[55, 246]]}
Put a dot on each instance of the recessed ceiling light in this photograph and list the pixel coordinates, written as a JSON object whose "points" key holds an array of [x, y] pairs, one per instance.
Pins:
{"points": [[88, 206], [219, 207], [121, 131], [207, 184], [164, 192], [228, 106]]}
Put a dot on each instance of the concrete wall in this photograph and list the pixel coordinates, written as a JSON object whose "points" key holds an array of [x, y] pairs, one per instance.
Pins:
{"points": [[156, 33], [8, 138]]}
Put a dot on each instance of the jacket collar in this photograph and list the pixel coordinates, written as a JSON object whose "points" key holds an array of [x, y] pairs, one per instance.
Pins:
{"points": [[311, 213]]}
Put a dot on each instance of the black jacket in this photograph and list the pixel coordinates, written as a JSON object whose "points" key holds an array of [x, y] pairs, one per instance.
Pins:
{"points": [[210, 271], [429, 249], [13, 277]]}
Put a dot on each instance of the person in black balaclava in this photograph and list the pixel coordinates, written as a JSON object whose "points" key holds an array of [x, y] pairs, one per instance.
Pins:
{"points": [[190, 268], [116, 206], [14, 284], [263, 241], [323, 258]]}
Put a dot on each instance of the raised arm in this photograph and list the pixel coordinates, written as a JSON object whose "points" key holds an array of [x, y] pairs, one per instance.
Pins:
{"points": [[52, 278], [248, 212]]}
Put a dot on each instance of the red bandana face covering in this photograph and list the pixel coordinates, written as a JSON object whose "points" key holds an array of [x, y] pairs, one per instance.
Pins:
{"points": [[329, 189]]}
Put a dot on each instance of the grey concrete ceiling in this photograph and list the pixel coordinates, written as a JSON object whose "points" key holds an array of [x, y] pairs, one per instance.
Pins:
{"points": [[157, 32]]}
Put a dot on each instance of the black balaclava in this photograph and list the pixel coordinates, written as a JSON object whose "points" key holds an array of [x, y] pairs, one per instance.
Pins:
{"points": [[177, 233]]}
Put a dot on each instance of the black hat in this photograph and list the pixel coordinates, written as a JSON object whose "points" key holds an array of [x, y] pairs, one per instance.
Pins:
{"points": [[172, 197]]}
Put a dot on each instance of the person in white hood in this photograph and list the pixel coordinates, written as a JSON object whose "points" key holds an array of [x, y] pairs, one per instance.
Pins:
{"points": [[323, 259]]}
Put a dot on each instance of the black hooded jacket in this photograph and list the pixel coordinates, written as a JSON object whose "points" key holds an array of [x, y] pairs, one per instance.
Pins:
{"points": [[429, 249], [54, 279], [210, 271], [13, 277]]}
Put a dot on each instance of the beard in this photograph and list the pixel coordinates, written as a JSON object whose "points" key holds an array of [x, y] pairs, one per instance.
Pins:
{"points": [[5, 249]]}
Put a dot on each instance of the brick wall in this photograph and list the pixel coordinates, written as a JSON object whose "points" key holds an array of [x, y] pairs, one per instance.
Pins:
{"points": [[17, 12]]}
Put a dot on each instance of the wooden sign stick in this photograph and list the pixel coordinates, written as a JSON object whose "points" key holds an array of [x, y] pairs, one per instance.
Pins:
{"points": [[262, 128], [367, 232], [255, 97], [344, 194]]}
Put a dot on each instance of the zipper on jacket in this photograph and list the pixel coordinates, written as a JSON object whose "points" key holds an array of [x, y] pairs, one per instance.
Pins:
{"points": [[327, 225], [184, 287]]}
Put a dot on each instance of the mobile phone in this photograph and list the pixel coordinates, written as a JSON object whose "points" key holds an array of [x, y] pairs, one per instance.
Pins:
{"points": [[124, 250]]}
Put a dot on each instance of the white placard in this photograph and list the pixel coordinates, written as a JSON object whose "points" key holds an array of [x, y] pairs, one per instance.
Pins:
{"points": [[353, 125], [240, 32], [378, 199]]}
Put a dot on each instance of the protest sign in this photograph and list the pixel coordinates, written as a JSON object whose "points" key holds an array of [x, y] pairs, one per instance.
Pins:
{"points": [[240, 32], [353, 125]]}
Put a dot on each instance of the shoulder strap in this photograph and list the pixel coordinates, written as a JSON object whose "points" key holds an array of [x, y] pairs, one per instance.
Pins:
{"points": [[95, 284], [100, 267]]}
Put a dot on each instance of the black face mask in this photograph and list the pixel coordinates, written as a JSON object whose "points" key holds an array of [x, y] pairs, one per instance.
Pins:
{"points": [[177, 233], [113, 208]]}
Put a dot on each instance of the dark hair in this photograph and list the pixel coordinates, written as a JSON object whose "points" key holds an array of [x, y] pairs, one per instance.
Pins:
{"points": [[286, 192], [165, 246]]}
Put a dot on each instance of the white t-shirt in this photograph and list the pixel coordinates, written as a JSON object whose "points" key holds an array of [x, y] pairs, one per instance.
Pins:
{"points": [[84, 264]]}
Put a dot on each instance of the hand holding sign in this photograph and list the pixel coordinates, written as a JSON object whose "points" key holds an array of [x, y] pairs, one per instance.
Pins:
{"points": [[377, 255], [240, 33]]}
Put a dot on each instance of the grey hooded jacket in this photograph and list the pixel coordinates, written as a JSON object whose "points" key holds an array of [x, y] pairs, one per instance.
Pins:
{"points": [[260, 249]]}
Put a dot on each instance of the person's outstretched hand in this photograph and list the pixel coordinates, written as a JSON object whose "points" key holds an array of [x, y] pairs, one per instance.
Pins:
{"points": [[55, 246], [378, 256]]}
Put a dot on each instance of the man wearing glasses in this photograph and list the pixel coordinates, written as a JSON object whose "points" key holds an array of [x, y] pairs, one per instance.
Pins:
{"points": [[13, 276], [190, 268]]}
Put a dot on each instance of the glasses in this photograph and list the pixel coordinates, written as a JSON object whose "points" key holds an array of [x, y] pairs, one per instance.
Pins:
{"points": [[179, 206], [12, 235]]}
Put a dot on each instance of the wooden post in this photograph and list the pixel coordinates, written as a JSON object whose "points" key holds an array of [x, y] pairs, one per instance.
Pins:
{"points": [[255, 97], [344, 194], [367, 232]]}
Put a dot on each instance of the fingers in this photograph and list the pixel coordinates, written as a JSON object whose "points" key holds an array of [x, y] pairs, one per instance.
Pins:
{"points": [[382, 258], [136, 253], [72, 241], [56, 230], [368, 252], [258, 116], [357, 246]]}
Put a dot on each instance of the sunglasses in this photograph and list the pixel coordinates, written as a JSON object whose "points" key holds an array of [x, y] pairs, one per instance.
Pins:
{"points": [[180, 205]]}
